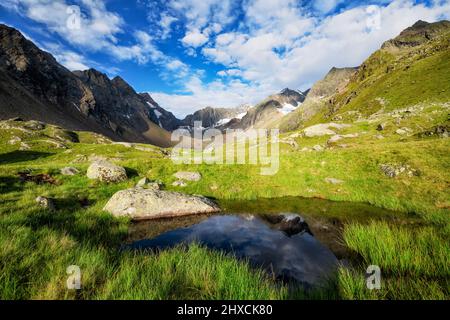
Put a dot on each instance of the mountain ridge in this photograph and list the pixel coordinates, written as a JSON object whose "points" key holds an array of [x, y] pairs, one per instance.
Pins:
{"points": [[80, 100]]}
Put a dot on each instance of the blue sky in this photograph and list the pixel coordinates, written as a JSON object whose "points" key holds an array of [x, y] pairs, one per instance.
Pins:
{"points": [[194, 53]]}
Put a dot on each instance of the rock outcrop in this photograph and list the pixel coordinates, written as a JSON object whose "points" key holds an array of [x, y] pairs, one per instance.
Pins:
{"points": [[141, 203], [105, 171], [323, 129]]}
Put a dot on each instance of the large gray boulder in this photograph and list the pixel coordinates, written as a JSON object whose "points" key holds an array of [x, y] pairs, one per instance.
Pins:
{"points": [[139, 203], [105, 171]]}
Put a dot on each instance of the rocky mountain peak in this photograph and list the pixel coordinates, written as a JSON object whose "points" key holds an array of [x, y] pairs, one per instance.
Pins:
{"points": [[335, 80], [93, 76], [33, 85], [123, 85], [418, 34], [420, 24]]}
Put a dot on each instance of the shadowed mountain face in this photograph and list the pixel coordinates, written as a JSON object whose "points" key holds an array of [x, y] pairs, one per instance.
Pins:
{"points": [[164, 118], [33, 85]]}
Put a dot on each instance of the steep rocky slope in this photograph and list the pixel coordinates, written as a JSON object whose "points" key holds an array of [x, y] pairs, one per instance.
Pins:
{"points": [[164, 118], [213, 117], [412, 69], [335, 81], [33, 85], [271, 110]]}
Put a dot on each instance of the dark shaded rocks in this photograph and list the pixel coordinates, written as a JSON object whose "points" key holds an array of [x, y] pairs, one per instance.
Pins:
{"points": [[43, 178], [395, 170], [290, 224], [46, 203]]}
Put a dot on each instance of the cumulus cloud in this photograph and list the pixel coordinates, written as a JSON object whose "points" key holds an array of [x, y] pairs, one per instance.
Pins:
{"points": [[326, 6], [198, 94], [98, 29], [166, 21], [94, 28], [202, 18], [194, 39], [269, 54]]}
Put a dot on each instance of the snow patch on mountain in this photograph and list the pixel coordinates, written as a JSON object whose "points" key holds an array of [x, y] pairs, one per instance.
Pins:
{"points": [[151, 105], [287, 108]]}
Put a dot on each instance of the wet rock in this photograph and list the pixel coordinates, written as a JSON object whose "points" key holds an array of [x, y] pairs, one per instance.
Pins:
{"points": [[69, 171], [46, 203], [105, 171], [290, 224], [188, 176], [149, 204]]}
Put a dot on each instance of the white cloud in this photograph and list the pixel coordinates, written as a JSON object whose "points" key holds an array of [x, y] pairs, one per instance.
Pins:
{"points": [[274, 56], [99, 31], [198, 95], [194, 39], [71, 60], [99, 28], [165, 23], [326, 6], [230, 73], [280, 45], [203, 18]]}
